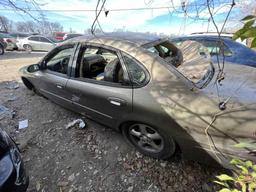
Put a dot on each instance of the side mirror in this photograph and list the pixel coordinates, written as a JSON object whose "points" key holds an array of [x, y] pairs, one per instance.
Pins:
{"points": [[33, 68]]}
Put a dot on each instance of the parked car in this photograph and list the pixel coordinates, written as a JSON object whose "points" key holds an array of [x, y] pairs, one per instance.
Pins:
{"points": [[234, 52], [141, 88], [9, 41], [3, 46], [59, 36], [13, 177], [71, 35], [36, 43], [224, 35]]}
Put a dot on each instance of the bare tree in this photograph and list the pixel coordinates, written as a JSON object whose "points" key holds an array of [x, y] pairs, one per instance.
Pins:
{"points": [[47, 28], [5, 24]]}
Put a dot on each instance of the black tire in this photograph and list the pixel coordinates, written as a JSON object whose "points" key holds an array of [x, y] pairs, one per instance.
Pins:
{"points": [[1, 50], [151, 141], [27, 48]]}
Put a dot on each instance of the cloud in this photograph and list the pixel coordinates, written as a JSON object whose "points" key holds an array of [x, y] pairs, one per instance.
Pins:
{"points": [[156, 20]]}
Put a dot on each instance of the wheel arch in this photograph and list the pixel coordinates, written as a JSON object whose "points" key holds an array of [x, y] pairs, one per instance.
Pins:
{"points": [[27, 83]]}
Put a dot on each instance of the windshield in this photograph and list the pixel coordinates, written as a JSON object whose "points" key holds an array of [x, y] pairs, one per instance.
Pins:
{"points": [[190, 58]]}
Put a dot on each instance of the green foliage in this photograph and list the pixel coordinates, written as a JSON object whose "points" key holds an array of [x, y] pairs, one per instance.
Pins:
{"points": [[243, 181], [248, 30]]}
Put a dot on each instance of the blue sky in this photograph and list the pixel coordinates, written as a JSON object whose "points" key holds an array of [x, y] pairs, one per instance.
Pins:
{"points": [[170, 20]]}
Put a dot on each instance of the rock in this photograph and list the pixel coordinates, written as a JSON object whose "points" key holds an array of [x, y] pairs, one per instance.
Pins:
{"points": [[138, 155], [206, 187], [95, 172], [130, 189], [163, 164], [62, 184], [38, 185], [71, 177]]}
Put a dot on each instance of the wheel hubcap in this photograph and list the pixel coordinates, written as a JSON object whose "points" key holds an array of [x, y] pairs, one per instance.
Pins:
{"points": [[146, 138]]}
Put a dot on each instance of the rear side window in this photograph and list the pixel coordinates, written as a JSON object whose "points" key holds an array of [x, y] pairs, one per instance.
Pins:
{"points": [[45, 40], [137, 73], [33, 38]]}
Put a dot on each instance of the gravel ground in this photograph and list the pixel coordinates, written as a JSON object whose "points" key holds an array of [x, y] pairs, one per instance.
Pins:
{"points": [[95, 158]]}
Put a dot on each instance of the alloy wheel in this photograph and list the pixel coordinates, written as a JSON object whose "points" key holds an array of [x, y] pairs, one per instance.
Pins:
{"points": [[146, 138]]}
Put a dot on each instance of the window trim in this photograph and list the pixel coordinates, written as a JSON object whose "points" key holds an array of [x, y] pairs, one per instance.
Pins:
{"points": [[89, 80]]}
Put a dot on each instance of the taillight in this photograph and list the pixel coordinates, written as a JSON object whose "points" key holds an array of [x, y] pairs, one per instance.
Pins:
{"points": [[8, 40]]}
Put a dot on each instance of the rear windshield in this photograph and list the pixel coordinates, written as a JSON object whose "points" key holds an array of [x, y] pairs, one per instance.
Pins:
{"points": [[190, 58]]}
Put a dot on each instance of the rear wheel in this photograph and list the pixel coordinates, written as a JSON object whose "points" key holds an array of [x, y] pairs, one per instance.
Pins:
{"points": [[1, 50], [149, 140], [27, 48]]}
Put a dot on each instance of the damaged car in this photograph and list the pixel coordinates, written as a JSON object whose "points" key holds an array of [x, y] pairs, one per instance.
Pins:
{"points": [[163, 99], [13, 177]]}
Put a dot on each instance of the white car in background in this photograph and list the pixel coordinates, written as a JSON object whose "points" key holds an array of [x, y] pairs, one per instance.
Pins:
{"points": [[36, 43]]}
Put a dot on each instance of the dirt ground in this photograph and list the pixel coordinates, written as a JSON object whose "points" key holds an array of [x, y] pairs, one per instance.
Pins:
{"points": [[95, 158]]}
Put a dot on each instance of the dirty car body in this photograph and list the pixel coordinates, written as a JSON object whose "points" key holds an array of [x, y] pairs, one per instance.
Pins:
{"points": [[12, 173], [147, 88]]}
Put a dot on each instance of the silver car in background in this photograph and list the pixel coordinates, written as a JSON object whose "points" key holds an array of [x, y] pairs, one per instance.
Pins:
{"points": [[36, 43]]}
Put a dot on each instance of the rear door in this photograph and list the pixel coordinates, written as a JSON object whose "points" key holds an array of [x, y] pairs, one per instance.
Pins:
{"points": [[99, 85], [34, 42], [55, 74]]}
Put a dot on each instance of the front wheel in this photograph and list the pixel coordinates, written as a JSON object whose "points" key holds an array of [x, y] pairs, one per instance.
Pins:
{"points": [[149, 140]]}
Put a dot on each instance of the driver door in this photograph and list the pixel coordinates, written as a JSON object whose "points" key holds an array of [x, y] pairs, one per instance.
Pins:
{"points": [[55, 74]]}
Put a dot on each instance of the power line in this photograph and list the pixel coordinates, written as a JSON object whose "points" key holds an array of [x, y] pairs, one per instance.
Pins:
{"points": [[118, 9]]}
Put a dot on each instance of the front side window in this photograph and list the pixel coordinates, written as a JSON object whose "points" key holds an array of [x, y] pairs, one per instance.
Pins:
{"points": [[99, 64], [60, 60], [33, 38]]}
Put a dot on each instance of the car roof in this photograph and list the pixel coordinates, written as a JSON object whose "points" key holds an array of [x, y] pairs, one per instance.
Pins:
{"points": [[202, 36], [136, 38]]}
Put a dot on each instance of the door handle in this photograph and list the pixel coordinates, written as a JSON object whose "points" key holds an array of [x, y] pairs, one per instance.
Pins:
{"points": [[59, 86], [116, 101]]}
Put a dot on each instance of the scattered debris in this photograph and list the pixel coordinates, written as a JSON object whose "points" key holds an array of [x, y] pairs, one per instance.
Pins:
{"points": [[23, 124], [12, 85], [71, 177], [80, 122], [47, 122], [12, 98], [4, 111]]}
